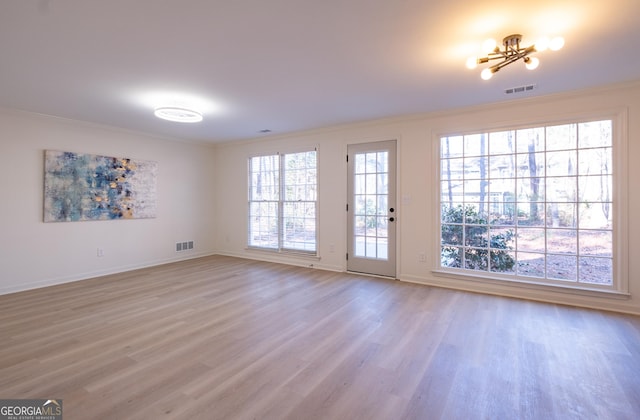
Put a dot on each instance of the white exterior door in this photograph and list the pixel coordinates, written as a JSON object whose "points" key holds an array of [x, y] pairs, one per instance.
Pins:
{"points": [[371, 208]]}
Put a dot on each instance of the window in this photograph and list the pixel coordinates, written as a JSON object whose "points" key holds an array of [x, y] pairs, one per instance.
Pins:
{"points": [[532, 204], [282, 202]]}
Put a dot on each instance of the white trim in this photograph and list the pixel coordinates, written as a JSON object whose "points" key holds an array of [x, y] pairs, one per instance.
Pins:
{"points": [[540, 293], [283, 258], [101, 273], [582, 289], [285, 251], [620, 193], [378, 276]]}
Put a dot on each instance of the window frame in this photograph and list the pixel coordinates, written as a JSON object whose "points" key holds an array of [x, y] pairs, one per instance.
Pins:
{"points": [[620, 281], [282, 201]]}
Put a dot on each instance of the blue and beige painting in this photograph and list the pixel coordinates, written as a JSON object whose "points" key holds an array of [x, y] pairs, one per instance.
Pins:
{"points": [[81, 187]]}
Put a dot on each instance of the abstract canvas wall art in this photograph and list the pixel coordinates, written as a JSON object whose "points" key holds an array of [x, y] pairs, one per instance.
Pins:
{"points": [[81, 187]]}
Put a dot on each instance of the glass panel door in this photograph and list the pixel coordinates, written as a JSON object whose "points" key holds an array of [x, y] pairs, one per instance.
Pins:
{"points": [[372, 215]]}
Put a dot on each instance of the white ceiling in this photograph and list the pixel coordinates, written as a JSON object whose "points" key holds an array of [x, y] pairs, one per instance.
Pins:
{"points": [[288, 65]]}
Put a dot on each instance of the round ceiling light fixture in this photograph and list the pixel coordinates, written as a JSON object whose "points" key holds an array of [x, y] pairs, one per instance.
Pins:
{"points": [[177, 114]]}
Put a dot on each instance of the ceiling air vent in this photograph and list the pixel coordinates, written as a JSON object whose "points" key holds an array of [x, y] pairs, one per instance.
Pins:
{"points": [[519, 89]]}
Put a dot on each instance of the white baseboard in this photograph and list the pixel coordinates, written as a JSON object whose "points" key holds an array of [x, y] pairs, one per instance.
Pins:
{"points": [[586, 299], [288, 259], [97, 273]]}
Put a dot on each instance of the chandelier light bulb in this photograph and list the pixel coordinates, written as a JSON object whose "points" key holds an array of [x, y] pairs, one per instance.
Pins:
{"points": [[489, 45], [486, 74], [531, 63], [556, 43], [542, 44], [472, 62]]}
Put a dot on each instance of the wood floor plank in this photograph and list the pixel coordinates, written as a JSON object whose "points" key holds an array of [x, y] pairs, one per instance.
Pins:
{"points": [[228, 338]]}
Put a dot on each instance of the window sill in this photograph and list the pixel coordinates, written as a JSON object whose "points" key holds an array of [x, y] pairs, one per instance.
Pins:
{"points": [[520, 283]]}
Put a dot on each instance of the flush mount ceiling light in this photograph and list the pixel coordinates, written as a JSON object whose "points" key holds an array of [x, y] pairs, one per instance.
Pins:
{"points": [[511, 53], [176, 114]]}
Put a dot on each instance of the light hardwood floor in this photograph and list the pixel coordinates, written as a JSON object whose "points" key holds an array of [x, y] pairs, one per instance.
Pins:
{"points": [[226, 338]]}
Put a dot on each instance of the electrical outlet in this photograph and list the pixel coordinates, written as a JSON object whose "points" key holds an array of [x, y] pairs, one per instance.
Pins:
{"points": [[422, 257], [100, 252]]}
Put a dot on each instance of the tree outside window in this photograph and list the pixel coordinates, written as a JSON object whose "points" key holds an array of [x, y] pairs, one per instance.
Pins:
{"points": [[530, 203]]}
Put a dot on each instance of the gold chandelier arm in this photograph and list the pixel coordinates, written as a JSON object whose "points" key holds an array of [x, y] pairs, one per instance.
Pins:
{"points": [[510, 52], [514, 56]]}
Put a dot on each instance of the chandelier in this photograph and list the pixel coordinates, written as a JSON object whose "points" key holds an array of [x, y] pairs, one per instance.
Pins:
{"points": [[511, 53]]}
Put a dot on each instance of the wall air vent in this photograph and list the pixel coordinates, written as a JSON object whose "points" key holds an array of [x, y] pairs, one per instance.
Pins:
{"points": [[519, 89], [184, 246]]}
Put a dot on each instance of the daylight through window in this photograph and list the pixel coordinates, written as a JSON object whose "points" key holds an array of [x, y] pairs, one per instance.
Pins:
{"points": [[532, 203], [282, 202]]}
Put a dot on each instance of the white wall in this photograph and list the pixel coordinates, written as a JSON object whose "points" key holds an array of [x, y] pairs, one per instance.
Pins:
{"points": [[417, 186], [202, 194], [34, 254]]}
